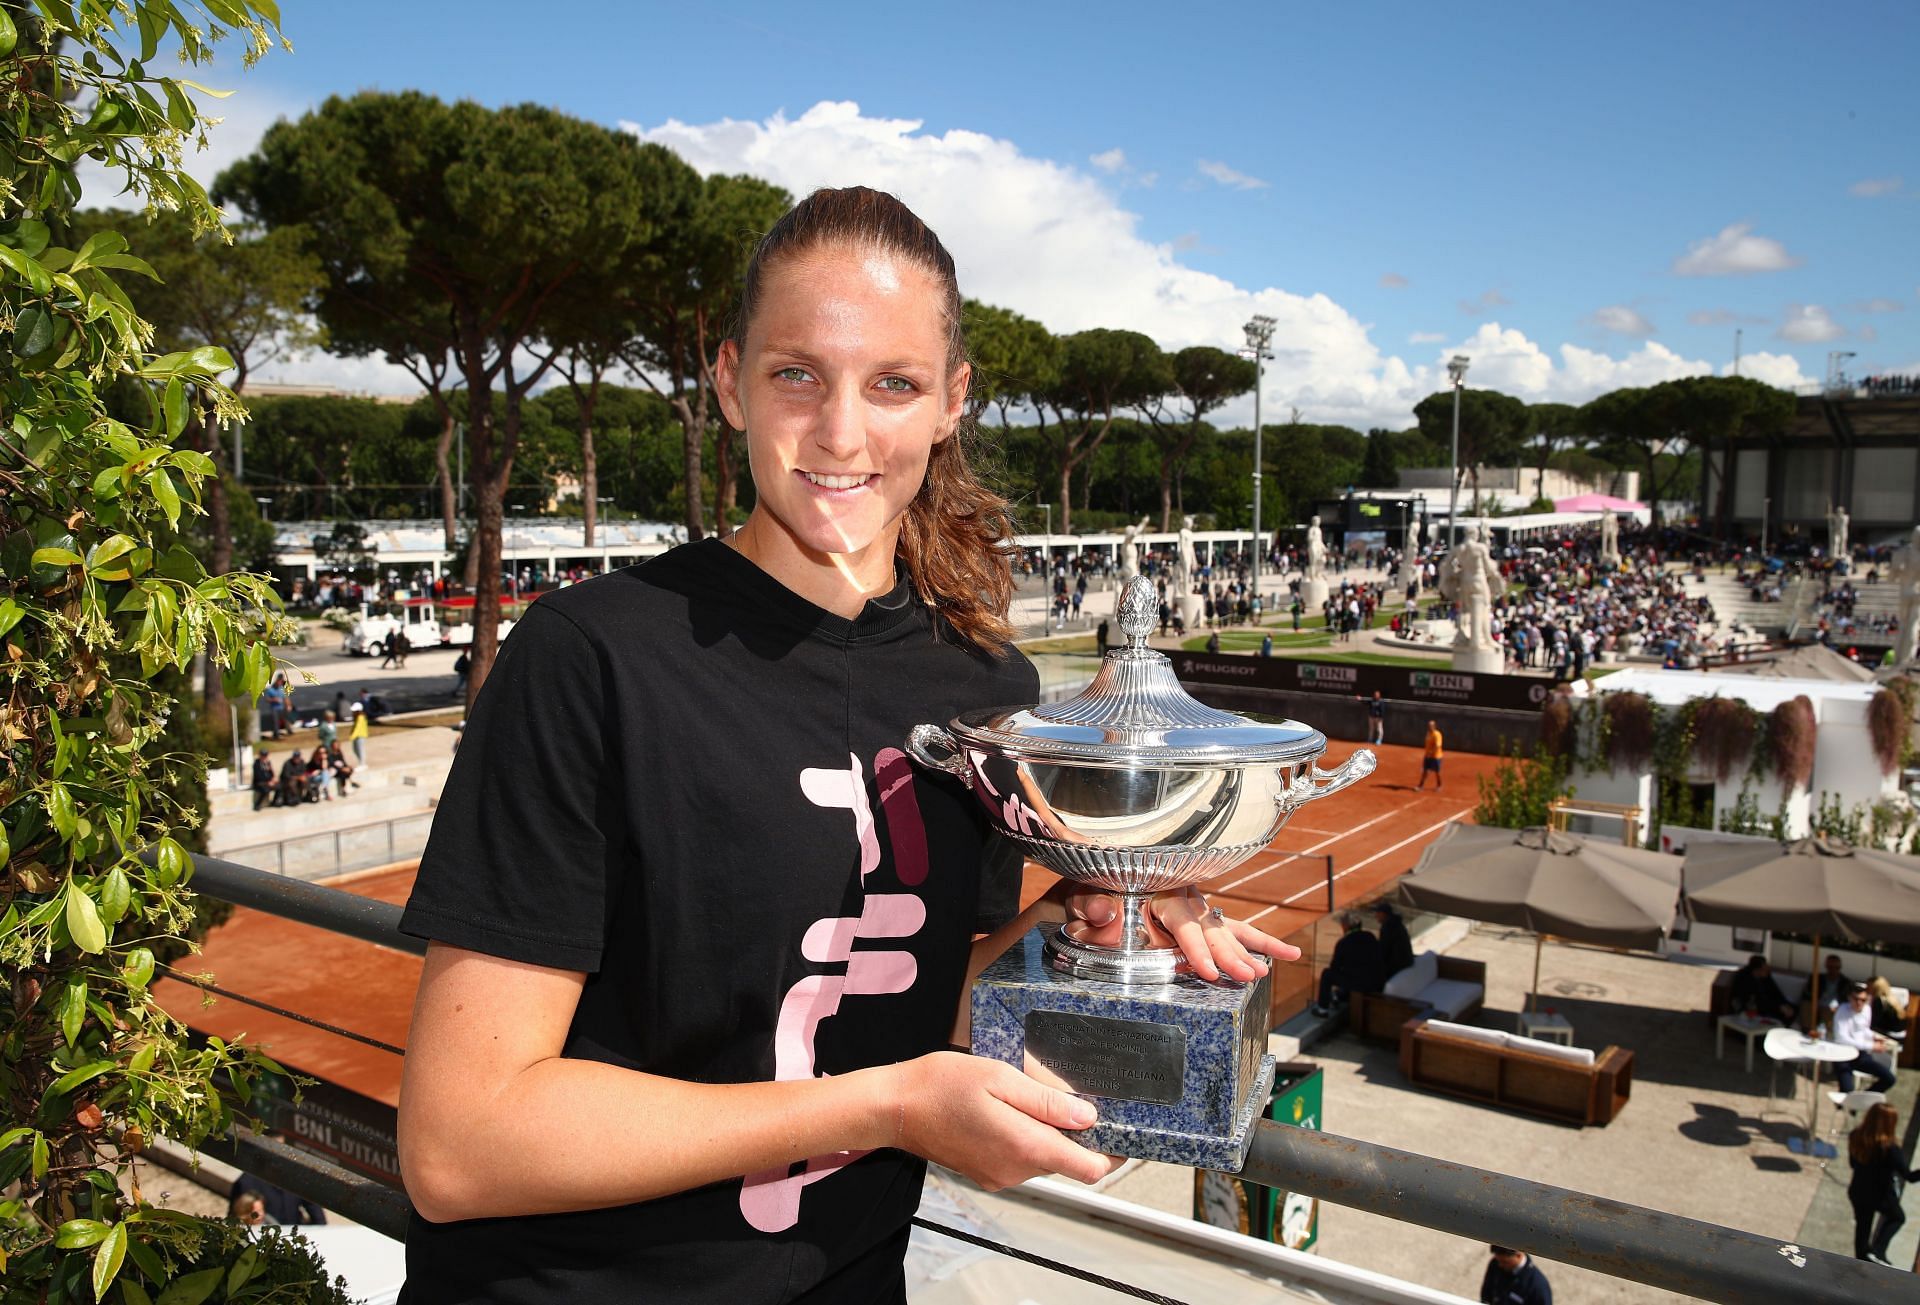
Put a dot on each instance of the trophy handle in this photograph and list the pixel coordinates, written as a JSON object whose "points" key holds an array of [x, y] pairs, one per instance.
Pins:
{"points": [[935, 749], [1318, 783]]}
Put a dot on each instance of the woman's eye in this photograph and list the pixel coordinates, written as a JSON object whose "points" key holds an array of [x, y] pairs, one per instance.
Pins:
{"points": [[795, 375], [896, 385]]}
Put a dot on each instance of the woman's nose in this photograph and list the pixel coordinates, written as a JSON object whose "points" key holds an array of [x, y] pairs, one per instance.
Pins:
{"points": [[841, 431]]}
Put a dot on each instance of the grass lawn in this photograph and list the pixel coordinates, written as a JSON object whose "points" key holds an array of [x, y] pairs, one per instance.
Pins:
{"points": [[1373, 659], [1246, 639]]}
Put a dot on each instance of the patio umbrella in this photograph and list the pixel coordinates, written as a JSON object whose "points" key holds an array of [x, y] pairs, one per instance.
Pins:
{"points": [[1550, 882], [1817, 886]]}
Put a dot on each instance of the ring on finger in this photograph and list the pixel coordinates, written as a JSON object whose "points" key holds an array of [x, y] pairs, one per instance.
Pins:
{"points": [[1218, 916]]}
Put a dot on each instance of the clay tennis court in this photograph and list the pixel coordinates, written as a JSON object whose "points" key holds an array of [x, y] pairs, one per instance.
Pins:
{"points": [[1374, 832]]}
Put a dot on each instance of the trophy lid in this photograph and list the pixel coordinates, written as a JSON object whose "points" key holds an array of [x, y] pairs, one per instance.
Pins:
{"points": [[1136, 713]]}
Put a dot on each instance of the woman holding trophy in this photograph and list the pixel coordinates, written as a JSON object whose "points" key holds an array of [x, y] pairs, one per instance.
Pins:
{"points": [[698, 930]]}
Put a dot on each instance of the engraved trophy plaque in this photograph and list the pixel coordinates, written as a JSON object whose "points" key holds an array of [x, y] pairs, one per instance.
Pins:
{"points": [[1136, 789]]}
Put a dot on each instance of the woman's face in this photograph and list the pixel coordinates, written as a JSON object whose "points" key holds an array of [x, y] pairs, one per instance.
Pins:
{"points": [[843, 389]]}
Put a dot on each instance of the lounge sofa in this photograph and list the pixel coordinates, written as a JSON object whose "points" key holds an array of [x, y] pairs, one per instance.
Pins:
{"points": [[1444, 987], [1568, 1084]]}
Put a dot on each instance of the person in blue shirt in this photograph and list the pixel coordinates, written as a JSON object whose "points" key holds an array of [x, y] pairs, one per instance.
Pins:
{"points": [[1512, 1278]]}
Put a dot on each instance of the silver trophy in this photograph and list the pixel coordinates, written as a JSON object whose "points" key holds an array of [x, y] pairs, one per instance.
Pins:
{"points": [[1135, 788]]}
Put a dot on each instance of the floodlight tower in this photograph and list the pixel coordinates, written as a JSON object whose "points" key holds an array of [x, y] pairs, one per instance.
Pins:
{"points": [[1259, 336], [1457, 373]]}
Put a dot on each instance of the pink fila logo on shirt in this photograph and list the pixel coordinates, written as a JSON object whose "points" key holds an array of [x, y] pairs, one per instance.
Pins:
{"points": [[770, 1199]]}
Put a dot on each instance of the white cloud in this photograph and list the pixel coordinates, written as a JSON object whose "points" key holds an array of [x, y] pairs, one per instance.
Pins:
{"points": [[1109, 160], [1736, 251], [1875, 187], [1227, 176], [1868, 333], [1488, 299], [1426, 337], [370, 375], [1393, 281], [1621, 320], [1809, 324], [1781, 369], [1052, 241], [1879, 306]]}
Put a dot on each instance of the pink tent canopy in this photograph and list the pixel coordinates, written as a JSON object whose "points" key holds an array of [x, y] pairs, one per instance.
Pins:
{"points": [[1597, 503]]}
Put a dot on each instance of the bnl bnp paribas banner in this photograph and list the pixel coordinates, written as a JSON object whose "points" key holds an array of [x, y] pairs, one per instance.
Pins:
{"points": [[1289, 1218], [1398, 683]]}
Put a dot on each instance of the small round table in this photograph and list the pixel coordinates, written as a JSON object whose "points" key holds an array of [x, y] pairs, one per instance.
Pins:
{"points": [[1793, 1046]]}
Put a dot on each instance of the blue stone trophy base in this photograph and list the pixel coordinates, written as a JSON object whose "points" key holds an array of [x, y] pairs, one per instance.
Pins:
{"points": [[1178, 1071]]}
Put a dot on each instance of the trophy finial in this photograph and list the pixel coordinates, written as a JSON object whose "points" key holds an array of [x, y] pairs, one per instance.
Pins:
{"points": [[1139, 610]]}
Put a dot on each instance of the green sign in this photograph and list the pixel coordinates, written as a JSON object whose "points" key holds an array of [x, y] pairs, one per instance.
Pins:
{"points": [[1289, 1218], [1369, 509]]}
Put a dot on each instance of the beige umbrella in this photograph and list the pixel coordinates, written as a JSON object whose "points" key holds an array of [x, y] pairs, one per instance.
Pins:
{"points": [[1817, 886], [1590, 890]]}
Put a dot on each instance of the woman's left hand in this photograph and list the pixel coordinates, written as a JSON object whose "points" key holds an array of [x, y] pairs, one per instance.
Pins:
{"points": [[1216, 946]]}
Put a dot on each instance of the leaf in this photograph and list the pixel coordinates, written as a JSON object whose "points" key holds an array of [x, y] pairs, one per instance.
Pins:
{"points": [[173, 402], [192, 1288], [101, 556], [55, 557], [32, 330], [142, 1060], [211, 358], [9, 34], [39, 1156], [60, 809], [243, 1269], [83, 921], [116, 894], [29, 269], [138, 967], [127, 262], [106, 1260], [101, 242], [73, 1008], [170, 862], [73, 1078], [169, 498], [204, 90], [10, 614], [6, 846], [75, 1234]]}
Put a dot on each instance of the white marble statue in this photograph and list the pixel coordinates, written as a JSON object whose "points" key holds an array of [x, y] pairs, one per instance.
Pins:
{"points": [[1189, 563], [1469, 580], [1609, 541], [1906, 578], [1130, 550], [1316, 568], [1837, 533], [1413, 539]]}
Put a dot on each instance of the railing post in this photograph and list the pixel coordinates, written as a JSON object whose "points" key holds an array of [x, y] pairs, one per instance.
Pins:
{"points": [[1329, 860]]}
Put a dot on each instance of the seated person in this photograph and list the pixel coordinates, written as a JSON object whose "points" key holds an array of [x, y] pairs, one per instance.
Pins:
{"points": [[1357, 965], [1396, 947], [1853, 1027], [1889, 1020], [1755, 992], [1834, 986]]}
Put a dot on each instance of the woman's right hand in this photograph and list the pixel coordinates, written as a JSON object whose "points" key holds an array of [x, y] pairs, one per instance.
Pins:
{"points": [[990, 1122]]}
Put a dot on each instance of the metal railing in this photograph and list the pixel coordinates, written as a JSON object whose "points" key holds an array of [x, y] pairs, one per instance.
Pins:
{"points": [[1633, 1242], [336, 851]]}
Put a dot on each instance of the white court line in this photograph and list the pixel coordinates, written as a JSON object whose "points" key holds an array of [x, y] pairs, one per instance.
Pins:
{"points": [[1357, 865], [1291, 856]]}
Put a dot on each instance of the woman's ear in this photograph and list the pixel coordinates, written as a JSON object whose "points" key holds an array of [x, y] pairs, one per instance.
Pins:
{"points": [[957, 386], [726, 384]]}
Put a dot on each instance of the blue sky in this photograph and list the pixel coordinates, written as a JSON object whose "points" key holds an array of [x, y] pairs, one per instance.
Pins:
{"points": [[1395, 182]]}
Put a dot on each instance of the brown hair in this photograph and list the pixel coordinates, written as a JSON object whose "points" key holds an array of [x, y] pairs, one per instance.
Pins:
{"points": [[956, 536], [1878, 1129]]}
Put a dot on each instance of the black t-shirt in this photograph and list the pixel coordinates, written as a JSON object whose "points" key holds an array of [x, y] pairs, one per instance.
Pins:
{"points": [[687, 780]]}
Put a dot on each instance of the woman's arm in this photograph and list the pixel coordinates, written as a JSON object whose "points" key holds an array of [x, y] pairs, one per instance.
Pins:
{"points": [[494, 1120]]}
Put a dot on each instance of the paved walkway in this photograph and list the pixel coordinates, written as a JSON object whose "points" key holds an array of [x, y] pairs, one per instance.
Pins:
{"points": [[1698, 1138]]}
